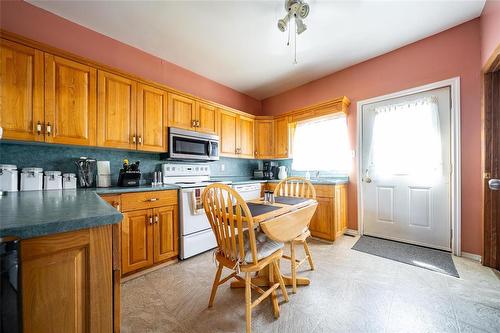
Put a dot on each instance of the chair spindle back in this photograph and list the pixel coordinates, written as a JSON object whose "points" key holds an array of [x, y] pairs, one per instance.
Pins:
{"points": [[229, 217], [295, 187]]}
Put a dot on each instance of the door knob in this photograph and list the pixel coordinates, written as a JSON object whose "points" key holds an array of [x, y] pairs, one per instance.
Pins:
{"points": [[368, 180], [494, 184]]}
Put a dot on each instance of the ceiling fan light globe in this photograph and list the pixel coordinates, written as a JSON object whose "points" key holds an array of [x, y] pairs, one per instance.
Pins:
{"points": [[303, 10], [301, 27], [282, 24]]}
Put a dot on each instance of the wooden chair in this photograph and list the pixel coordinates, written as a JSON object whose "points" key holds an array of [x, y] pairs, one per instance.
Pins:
{"points": [[303, 188], [241, 247]]}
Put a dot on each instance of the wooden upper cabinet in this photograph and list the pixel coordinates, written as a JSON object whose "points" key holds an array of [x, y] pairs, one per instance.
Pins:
{"points": [[21, 91], [206, 118], [264, 139], [228, 131], [165, 233], [70, 102], [137, 240], [116, 114], [246, 137], [151, 118], [181, 111], [282, 138]]}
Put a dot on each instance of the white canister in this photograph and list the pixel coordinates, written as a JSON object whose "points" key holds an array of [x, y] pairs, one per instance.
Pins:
{"points": [[32, 179], [69, 181], [8, 177], [52, 180]]}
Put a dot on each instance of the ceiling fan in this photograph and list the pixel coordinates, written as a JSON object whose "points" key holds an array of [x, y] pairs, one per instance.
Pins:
{"points": [[298, 10]]}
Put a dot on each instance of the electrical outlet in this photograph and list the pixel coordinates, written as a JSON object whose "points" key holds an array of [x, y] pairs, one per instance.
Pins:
{"points": [[222, 167]]}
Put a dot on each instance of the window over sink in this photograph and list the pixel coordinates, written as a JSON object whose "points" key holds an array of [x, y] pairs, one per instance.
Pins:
{"points": [[322, 145]]}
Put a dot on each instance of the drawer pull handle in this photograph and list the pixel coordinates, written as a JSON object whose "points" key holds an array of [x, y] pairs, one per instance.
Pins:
{"points": [[152, 200]]}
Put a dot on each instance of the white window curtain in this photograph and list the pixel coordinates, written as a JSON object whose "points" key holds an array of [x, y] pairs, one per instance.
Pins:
{"points": [[407, 139], [322, 145]]}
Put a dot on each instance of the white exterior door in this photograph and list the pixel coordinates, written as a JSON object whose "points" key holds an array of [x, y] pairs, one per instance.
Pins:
{"points": [[408, 206]]}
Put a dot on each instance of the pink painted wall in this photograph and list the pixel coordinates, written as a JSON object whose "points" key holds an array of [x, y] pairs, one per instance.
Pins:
{"points": [[490, 29], [455, 52], [29, 21]]}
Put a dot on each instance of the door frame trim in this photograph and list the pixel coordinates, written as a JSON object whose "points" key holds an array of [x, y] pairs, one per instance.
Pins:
{"points": [[456, 183]]}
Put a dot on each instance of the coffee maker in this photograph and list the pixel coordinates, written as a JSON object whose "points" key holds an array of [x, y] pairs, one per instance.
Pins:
{"points": [[270, 170]]}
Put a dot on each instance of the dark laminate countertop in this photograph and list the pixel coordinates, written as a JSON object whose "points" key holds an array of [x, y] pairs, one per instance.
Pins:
{"points": [[38, 213], [142, 188]]}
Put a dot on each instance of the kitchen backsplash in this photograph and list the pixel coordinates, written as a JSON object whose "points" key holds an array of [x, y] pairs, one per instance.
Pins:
{"points": [[61, 158]]}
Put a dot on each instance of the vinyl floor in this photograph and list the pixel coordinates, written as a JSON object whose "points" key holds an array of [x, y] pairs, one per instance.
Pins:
{"points": [[350, 291]]}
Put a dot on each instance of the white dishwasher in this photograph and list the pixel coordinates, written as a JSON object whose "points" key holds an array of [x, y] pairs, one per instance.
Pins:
{"points": [[248, 191]]}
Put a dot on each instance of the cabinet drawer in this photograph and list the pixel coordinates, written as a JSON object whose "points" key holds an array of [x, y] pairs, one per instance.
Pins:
{"points": [[327, 191], [145, 200]]}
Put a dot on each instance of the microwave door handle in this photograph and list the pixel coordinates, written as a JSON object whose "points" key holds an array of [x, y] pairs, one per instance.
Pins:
{"points": [[209, 148]]}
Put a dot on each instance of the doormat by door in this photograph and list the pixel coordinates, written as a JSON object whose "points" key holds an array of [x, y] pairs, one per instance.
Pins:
{"points": [[424, 257]]}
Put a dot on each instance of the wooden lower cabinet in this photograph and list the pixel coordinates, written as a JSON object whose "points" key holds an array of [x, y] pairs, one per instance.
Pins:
{"points": [[322, 223], [137, 240], [67, 282], [330, 219], [165, 233], [149, 230]]}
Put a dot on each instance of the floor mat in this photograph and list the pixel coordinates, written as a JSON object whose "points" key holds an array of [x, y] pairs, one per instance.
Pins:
{"points": [[431, 259]]}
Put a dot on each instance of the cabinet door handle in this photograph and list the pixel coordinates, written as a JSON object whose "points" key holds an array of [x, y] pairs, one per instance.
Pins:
{"points": [[49, 129], [150, 220], [197, 123], [140, 140], [39, 128], [193, 123], [256, 153], [156, 218], [133, 138]]}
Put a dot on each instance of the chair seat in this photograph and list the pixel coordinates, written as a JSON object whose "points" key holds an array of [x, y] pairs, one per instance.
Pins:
{"points": [[265, 246]]}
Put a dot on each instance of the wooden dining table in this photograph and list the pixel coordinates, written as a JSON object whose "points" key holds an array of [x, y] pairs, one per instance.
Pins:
{"points": [[282, 224]]}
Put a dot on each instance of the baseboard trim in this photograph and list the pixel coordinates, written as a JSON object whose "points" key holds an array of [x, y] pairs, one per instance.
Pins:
{"points": [[472, 256], [351, 232], [148, 270]]}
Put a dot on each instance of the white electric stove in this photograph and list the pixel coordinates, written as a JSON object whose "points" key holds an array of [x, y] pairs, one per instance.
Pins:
{"points": [[196, 235]]}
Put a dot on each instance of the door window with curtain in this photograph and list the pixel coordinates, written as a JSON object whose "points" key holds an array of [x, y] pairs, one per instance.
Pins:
{"points": [[322, 145], [406, 140]]}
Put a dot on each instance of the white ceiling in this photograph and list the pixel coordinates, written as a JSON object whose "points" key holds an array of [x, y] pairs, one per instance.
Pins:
{"points": [[237, 43]]}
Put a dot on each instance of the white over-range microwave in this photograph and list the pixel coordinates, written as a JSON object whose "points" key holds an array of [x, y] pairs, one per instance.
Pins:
{"points": [[190, 145]]}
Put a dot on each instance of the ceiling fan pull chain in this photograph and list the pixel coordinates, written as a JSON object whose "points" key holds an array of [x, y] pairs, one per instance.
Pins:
{"points": [[295, 55], [288, 42]]}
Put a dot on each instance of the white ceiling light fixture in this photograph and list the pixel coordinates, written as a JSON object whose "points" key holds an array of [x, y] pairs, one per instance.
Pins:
{"points": [[298, 10]]}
